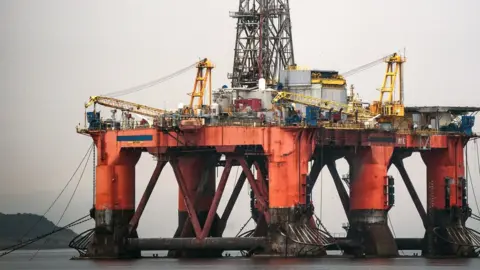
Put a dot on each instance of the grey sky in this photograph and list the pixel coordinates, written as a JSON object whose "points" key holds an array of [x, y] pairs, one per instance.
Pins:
{"points": [[55, 54]]}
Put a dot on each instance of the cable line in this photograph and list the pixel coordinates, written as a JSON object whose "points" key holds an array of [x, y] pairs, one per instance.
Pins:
{"points": [[53, 203], [71, 197], [149, 84]]}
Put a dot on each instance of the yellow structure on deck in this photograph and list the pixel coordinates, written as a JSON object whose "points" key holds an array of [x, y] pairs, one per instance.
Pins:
{"points": [[202, 79], [348, 109], [389, 107]]}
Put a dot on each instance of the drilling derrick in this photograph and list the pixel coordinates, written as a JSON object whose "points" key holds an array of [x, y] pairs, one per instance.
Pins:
{"points": [[263, 43]]}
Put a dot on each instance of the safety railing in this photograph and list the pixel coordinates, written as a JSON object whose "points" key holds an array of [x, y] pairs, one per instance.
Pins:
{"points": [[169, 122], [344, 125]]}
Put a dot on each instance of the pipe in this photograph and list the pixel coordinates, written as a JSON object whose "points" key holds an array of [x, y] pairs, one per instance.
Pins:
{"points": [[402, 244], [222, 243]]}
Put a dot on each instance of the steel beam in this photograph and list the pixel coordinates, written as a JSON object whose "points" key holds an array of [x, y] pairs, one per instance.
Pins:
{"points": [[231, 203], [216, 199], [132, 226], [200, 189], [342, 192], [209, 243], [256, 189], [190, 207], [411, 190]]}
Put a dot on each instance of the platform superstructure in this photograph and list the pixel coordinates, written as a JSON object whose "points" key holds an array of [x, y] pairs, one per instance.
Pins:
{"points": [[277, 117]]}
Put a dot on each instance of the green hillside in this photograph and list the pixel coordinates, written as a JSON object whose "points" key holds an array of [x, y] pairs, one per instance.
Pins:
{"points": [[14, 226]]}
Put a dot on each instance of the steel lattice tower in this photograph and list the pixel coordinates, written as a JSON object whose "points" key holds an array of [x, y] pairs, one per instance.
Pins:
{"points": [[263, 43]]}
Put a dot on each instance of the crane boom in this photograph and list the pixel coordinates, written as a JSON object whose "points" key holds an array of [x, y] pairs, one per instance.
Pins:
{"points": [[348, 109], [124, 106]]}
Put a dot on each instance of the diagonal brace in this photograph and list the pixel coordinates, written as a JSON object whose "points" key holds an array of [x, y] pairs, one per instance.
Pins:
{"points": [[133, 224], [342, 192], [255, 187], [190, 207], [411, 189], [216, 199], [231, 202]]}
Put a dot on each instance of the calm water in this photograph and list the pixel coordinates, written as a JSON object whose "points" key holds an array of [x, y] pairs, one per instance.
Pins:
{"points": [[59, 259]]}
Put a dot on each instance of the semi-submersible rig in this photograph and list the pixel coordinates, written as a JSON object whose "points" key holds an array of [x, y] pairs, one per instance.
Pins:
{"points": [[277, 117]]}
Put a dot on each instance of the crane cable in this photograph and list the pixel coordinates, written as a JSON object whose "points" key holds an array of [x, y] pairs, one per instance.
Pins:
{"points": [[149, 84], [56, 199], [470, 177], [71, 197], [365, 67]]}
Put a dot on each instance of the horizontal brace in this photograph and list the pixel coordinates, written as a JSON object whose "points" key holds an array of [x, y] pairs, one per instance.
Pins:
{"points": [[219, 243]]}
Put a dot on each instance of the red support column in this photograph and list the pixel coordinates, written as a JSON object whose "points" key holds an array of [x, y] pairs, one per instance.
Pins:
{"points": [[368, 201], [114, 200], [446, 209], [288, 168], [289, 151]]}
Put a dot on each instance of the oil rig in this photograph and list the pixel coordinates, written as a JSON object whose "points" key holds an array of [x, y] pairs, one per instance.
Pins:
{"points": [[274, 119]]}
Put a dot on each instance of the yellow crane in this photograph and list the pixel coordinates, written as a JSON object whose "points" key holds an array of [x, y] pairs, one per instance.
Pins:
{"points": [[349, 109], [389, 107], [124, 106], [203, 80]]}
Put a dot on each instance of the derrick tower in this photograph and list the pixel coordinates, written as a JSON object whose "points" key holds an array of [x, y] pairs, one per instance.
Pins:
{"points": [[263, 43]]}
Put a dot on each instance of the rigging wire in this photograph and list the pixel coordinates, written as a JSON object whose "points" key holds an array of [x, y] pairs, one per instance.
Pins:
{"points": [[365, 67], [33, 240], [470, 177], [149, 84], [71, 197], [56, 199]]}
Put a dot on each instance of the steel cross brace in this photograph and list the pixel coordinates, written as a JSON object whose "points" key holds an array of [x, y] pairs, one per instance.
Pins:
{"points": [[398, 162], [183, 187], [133, 224], [261, 180], [199, 190], [342, 192], [231, 202], [256, 189], [200, 232]]}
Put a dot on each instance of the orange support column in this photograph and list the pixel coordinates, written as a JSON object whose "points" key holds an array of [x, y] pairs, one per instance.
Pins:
{"points": [[289, 154], [447, 206], [288, 168], [369, 202], [115, 201]]}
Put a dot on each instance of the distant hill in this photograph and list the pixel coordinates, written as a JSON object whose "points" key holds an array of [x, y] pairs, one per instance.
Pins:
{"points": [[14, 226]]}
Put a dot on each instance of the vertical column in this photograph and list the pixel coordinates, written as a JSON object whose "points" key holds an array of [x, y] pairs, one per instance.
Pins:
{"points": [[368, 201], [288, 168], [290, 152], [446, 209], [115, 203]]}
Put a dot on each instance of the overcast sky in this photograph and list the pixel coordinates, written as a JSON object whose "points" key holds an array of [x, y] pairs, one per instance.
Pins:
{"points": [[55, 54]]}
